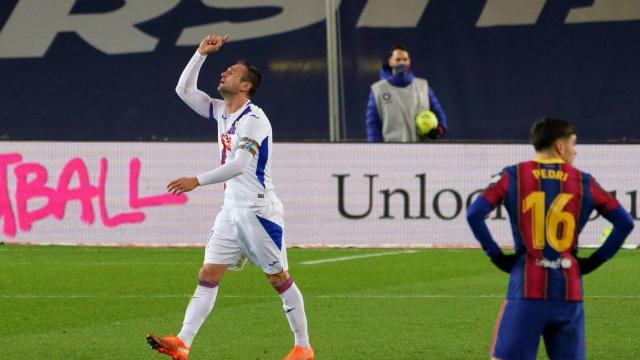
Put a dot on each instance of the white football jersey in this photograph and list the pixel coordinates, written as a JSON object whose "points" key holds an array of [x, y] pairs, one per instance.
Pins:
{"points": [[240, 231], [248, 129]]}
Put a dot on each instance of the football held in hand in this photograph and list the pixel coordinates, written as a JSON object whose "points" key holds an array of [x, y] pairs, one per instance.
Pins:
{"points": [[425, 122]]}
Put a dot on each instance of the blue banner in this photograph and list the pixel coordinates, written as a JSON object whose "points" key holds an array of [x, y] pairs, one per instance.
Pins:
{"points": [[106, 70]]}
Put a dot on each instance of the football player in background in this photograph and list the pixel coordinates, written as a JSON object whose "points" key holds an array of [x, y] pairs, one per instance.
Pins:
{"points": [[549, 202], [250, 223]]}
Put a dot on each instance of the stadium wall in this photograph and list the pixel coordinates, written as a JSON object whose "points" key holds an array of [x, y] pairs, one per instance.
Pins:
{"points": [[338, 195], [78, 70]]}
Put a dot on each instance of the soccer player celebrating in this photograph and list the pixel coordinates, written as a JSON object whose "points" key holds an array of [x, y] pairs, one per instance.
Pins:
{"points": [[549, 201], [250, 224]]}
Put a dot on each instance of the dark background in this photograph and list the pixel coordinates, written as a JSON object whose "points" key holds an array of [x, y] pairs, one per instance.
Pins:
{"points": [[492, 82]]}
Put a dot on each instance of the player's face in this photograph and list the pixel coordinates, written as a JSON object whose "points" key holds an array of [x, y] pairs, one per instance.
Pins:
{"points": [[399, 57], [231, 80], [567, 148]]}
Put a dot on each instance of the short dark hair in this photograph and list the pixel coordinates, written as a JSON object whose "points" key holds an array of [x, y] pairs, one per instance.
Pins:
{"points": [[395, 47], [253, 76], [547, 130]]}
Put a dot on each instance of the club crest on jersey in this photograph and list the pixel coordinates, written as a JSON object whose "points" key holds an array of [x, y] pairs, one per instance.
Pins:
{"points": [[225, 139]]}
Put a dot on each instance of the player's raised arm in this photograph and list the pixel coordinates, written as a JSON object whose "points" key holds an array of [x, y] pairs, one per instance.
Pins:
{"points": [[211, 44], [187, 89]]}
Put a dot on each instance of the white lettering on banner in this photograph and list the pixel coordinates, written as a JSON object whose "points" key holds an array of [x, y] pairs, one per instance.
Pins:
{"points": [[31, 184], [364, 195], [295, 15], [606, 10], [527, 12], [34, 24], [386, 14], [510, 12]]}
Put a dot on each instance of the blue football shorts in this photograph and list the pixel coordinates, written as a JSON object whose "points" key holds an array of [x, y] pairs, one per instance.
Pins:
{"points": [[522, 322]]}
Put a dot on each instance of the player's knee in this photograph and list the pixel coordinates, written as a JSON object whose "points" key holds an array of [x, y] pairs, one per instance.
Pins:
{"points": [[211, 273], [278, 279]]}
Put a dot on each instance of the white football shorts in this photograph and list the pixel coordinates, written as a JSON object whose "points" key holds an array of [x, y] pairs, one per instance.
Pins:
{"points": [[254, 233]]}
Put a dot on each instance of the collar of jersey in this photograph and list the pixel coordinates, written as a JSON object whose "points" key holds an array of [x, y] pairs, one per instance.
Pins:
{"points": [[548, 161], [239, 111]]}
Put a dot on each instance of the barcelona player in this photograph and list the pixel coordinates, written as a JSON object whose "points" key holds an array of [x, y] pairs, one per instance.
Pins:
{"points": [[549, 202]]}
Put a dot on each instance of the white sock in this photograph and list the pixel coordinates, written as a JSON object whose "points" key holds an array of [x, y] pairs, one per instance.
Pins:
{"points": [[198, 309], [294, 310]]}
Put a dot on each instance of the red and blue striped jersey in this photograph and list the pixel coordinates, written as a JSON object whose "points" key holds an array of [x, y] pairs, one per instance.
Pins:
{"points": [[548, 202]]}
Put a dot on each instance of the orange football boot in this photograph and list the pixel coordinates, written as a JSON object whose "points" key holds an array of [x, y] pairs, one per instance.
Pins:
{"points": [[300, 353], [169, 345]]}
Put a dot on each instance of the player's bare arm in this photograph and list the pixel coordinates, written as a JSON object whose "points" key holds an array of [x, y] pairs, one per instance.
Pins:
{"points": [[212, 43], [181, 185]]}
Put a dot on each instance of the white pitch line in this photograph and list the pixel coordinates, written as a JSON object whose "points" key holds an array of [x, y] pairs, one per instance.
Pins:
{"points": [[337, 296], [98, 263], [311, 262], [32, 296], [346, 258]]}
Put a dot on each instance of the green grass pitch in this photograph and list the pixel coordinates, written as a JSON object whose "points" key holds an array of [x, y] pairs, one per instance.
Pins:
{"points": [[98, 303]]}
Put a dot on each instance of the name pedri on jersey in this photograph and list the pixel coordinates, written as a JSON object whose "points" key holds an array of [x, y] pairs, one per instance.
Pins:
{"points": [[548, 203]]}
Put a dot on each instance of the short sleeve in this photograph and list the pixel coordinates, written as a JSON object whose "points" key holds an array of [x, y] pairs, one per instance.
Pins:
{"points": [[603, 202], [252, 131], [216, 109], [497, 190]]}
